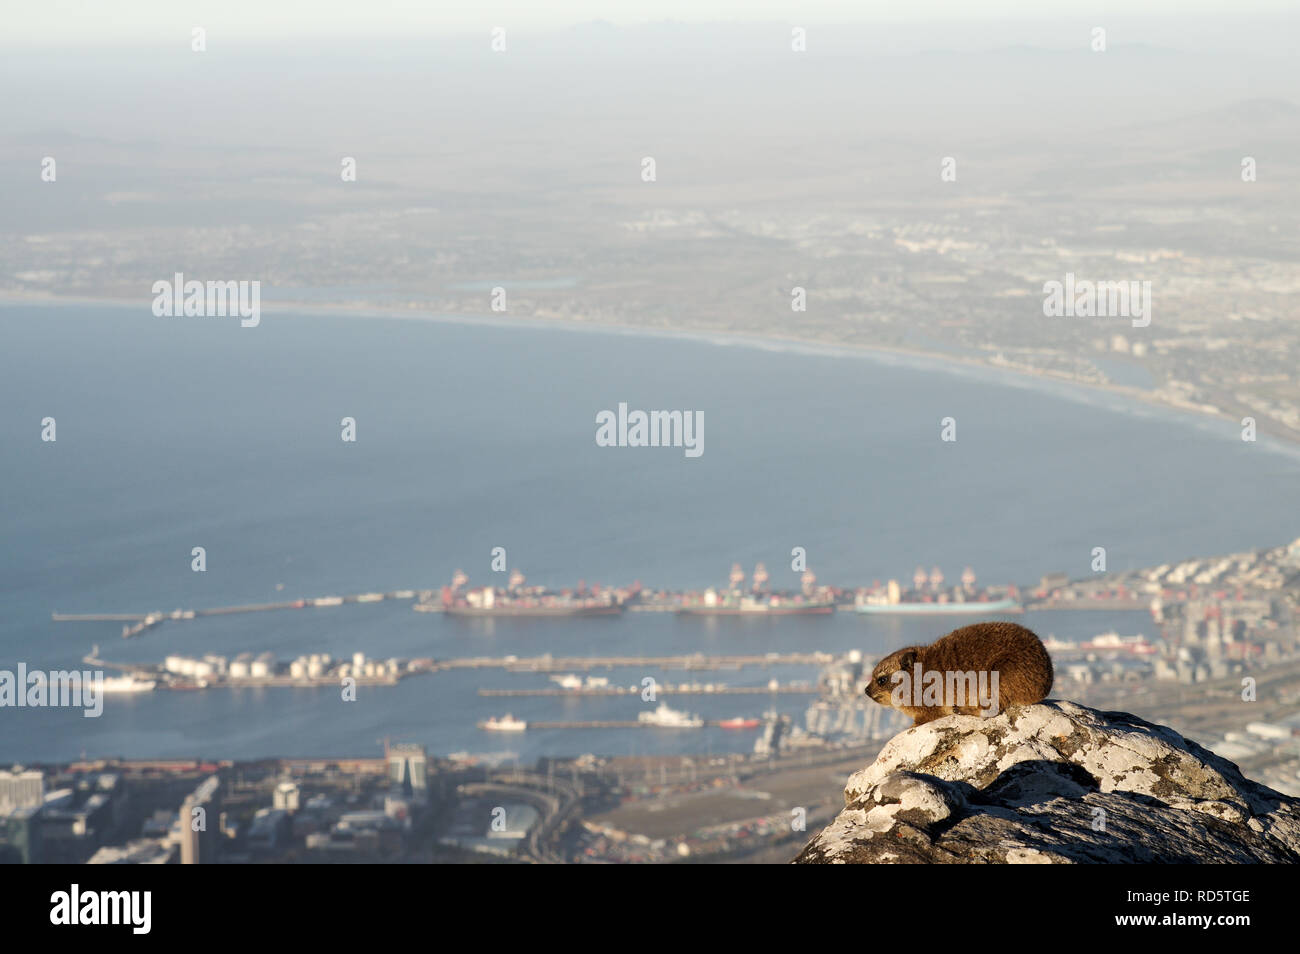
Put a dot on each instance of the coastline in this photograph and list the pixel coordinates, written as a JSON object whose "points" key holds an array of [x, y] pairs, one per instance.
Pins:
{"points": [[943, 362]]}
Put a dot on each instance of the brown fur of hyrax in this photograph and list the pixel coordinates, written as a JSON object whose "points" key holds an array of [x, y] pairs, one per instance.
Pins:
{"points": [[1015, 653]]}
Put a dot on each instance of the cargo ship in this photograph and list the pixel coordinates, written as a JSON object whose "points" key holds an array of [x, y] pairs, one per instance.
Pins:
{"points": [[758, 602], [928, 598], [516, 600], [529, 608], [753, 606]]}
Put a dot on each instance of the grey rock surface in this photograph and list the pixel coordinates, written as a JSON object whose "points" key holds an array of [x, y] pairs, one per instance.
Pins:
{"points": [[1054, 783]]}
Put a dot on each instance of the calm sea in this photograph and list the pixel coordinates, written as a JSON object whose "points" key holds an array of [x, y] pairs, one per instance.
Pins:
{"points": [[177, 433]]}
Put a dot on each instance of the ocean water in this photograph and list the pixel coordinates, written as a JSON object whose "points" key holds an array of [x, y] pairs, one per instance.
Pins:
{"points": [[175, 433]]}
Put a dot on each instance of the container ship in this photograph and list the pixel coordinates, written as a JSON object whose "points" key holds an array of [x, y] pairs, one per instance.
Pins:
{"points": [[519, 601], [928, 598], [758, 601], [751, 606], [529, 608]]}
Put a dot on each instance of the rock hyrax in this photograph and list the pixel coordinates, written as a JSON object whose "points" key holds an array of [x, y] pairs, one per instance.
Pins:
{"points": [[976, 670]]}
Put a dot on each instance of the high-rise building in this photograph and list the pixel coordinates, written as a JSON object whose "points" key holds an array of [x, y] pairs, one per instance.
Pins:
{"points": [[199, 828], [408, 768], [286, 797]]}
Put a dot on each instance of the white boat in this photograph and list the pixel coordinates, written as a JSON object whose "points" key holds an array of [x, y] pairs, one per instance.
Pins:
{"points": [[667, 718], [121, 684], [1114, 641], [507, 723], [881, 605], [1054, 645]]}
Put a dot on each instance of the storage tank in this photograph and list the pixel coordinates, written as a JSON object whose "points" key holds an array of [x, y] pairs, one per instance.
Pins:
{"points": [[263, 666]]}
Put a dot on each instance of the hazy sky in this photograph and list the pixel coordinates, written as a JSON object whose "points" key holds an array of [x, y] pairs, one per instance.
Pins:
{"points": [[48, 23]]}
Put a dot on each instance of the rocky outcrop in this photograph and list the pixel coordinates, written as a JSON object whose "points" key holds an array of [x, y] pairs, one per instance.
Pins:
{"points": [[1054, 783]]}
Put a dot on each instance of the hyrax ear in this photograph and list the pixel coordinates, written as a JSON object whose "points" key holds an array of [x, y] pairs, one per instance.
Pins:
{"points": [[907, 660]]}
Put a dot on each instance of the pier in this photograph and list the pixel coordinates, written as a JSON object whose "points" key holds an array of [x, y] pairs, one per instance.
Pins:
{"points": [[395, 670], [98, 617], [695, 661], [286, 682], [624, 724], [1090, 603], [634, 601], [181, 673], [663, 690], [145, 621]]}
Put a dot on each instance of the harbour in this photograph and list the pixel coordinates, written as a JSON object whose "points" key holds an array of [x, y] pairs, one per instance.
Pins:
{"points": [[140, 622], [249, 670], [294, 532], [663, 690], [755, 599], [622, 724]]}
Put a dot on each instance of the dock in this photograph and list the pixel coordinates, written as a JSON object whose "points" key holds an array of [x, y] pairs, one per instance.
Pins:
{"points": [[539, 664], [276, 674], [694, 661], [98, 617], [140, 622], [286, 682], [1091, 603], [619, 724], [662, 690]]}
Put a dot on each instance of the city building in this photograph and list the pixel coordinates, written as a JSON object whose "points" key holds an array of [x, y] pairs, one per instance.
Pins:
{"points": [[21, 788], [408, 769], [199, 832]]}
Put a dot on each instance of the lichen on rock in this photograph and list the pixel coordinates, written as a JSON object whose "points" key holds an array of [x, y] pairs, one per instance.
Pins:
{"points": [[1056, 783]]}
